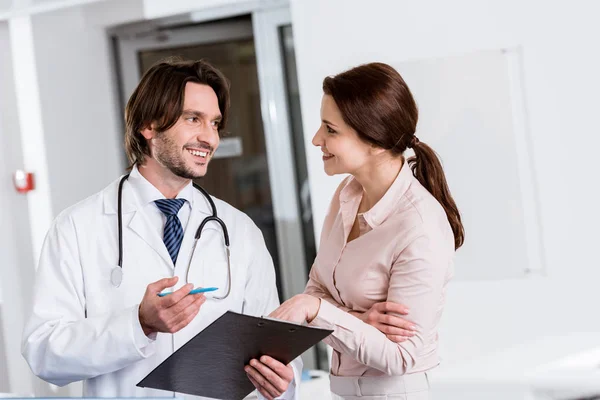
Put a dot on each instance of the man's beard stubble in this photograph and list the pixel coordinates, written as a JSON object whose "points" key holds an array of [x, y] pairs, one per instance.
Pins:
{"points": [[167, 155]]}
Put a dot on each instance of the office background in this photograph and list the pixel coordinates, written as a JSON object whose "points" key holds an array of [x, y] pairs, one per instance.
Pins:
{"points": [[531, 330]]}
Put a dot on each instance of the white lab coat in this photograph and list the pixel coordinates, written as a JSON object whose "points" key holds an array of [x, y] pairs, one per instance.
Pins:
{"points": [[83, 328]]}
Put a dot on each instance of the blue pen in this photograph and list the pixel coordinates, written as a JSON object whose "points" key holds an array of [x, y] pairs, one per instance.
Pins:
{"points": [[197, 290]]}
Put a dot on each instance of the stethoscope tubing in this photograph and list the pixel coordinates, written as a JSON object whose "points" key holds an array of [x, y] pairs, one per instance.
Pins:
{"points": [[214, 217]]}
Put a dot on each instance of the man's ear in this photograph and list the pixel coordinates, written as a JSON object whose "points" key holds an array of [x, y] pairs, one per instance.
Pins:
{"points": [[148, 132]]}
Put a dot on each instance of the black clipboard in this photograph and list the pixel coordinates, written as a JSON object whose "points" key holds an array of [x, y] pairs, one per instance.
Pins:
{"points": [[211, 364]]}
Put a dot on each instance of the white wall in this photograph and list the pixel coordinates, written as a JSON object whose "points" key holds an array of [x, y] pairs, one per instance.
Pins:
{"points": [[79, 109], [16, 254], [161, 8], [559, 41]]}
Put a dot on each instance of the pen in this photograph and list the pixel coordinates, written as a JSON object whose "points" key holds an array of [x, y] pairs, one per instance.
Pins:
{"points": [[194, 291]]}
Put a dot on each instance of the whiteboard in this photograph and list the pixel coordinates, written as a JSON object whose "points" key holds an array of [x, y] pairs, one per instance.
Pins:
{"points": [[471, 112]]}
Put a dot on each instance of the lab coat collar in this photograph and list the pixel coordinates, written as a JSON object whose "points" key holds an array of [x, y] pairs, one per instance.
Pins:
{"points": [[137, 192]]}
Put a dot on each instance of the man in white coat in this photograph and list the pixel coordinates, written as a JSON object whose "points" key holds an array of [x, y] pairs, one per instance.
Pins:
{"points": [[100, 320]]}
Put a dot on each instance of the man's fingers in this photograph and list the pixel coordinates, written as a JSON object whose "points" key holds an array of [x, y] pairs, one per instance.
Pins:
{"points": [[183, 320], [389, 307], [176, 296], [192, 306], [285, 372], [259, 388], [392, 330], [397, 339], [184, 303], [262, 381], [160, 285], [187, 315], [179, 307], [270, 376], [397, 322]]}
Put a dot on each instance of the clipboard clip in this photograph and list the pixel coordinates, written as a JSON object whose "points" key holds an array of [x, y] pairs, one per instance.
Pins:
{"points": [[262, 323]]}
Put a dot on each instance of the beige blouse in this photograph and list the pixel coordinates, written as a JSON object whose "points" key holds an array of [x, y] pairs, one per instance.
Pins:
{"points": [[404, 254]]}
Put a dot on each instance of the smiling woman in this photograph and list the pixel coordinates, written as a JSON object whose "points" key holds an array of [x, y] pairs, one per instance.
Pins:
{"points": [[387, 243]]}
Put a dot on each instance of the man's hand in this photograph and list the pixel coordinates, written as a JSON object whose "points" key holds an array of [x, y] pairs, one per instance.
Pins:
{"points": [[395, 328], [269, 376], [169, 313]]}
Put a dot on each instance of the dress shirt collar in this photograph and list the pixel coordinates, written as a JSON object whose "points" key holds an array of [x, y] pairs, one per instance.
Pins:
{"points": [[148, 193], [353, 191]]}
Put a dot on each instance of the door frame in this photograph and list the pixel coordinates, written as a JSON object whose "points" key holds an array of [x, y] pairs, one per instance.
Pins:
{"points": [[129, 46], [280, 155]]}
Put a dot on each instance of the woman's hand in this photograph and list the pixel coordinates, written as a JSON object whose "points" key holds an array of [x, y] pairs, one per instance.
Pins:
{"points": [[395, 328], [300, 308]]}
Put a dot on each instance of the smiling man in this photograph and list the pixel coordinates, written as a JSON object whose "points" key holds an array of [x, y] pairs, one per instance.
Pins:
{"points": [[97, 316]]}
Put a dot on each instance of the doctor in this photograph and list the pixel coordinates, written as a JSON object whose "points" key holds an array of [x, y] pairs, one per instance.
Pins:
{"points": [[97, 316]]}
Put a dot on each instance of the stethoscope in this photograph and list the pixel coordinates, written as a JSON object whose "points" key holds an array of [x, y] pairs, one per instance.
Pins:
{"points": [[116, 276]]}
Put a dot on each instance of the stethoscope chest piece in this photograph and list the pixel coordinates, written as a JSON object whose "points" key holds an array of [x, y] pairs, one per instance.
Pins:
{"points": [[116, 276]]}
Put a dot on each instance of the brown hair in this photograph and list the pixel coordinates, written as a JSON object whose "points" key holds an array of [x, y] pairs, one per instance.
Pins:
{"points": [[375, 101], [159, 98]]}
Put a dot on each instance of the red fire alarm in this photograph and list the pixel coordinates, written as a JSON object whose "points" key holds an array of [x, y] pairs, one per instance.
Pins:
{"points": [[23, 181]]}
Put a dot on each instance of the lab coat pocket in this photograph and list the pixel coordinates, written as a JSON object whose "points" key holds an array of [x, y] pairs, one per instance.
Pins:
{"points": [[104, 295], [102, 291]]}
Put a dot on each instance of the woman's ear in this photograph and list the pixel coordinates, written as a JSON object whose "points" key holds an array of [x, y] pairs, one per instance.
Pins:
{"points": [[376, 150]]}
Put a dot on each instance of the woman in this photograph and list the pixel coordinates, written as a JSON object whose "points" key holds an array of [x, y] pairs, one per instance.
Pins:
{"points": [[390, 236]]}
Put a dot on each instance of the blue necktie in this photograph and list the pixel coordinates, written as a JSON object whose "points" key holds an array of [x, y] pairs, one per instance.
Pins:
{"points": [[173, 231]]}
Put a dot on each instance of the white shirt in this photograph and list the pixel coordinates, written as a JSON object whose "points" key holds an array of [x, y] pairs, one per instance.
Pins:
{"points": [[148, 194]]}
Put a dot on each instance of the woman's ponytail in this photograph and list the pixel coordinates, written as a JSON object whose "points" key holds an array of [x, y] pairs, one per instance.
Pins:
{"points": [[426, 167]]}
